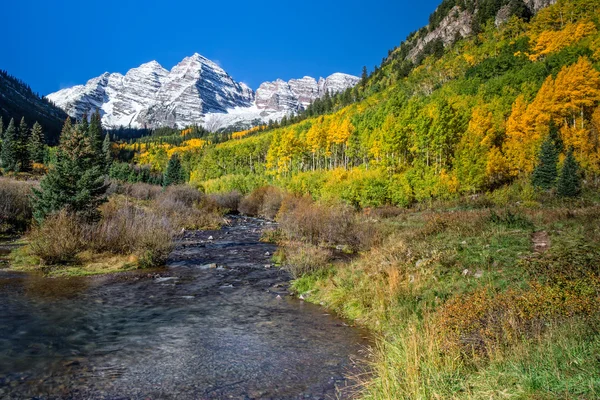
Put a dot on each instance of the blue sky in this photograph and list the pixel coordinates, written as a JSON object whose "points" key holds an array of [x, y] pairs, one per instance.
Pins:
{"points": [[56, 44]]}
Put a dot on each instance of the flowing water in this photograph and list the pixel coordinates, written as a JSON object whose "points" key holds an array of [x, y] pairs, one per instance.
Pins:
{"points": [[216, 323]]}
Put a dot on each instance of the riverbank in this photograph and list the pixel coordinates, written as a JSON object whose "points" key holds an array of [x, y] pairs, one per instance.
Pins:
{"points": [[470, 302]]}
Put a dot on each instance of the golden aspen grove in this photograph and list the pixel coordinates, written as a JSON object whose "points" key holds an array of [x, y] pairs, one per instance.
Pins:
{"points": [[468, 121]]}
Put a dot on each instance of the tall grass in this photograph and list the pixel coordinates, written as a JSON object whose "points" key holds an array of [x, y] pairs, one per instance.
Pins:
{"points": [[463, 304]]}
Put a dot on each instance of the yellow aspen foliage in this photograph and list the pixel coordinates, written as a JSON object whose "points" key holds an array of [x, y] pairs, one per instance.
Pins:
{"points": [[496, 169], [576, 87], [552, 41], [241, 134], [316, 137], [566, 99], [472, 151], [522, 139]]}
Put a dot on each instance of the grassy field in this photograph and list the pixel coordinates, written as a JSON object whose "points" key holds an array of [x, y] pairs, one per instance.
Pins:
{"points": [[476, 299]]}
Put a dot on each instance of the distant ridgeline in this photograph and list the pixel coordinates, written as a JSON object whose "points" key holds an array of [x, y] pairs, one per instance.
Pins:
{"points": [[17, 100], [462, 106]]}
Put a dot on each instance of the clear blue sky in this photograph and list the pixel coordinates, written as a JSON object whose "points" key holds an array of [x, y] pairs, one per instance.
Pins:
{"points": [[56, 44]]}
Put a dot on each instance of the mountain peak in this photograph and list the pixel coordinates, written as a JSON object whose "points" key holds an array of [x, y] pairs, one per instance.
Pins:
{"points": [[152, 96]]}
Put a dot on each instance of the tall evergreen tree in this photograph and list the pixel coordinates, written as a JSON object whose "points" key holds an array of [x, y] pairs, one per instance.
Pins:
{"points": [[569, 181], [9, 155], [545, 173], [106, 151], [95, 133], [23, 157], [1, 138], [174, 174], [364, 76], [75, 182], [36, 144]]}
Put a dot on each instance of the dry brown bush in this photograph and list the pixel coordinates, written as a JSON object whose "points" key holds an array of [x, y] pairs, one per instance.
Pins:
{"points": [[187, 208], [139, 191], [301, 219], [59, 239], [263, 202], [228, 202], [15, 204]]}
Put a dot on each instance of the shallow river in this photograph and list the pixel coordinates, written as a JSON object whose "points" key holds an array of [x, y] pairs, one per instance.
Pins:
{"points": [[216, 323]]}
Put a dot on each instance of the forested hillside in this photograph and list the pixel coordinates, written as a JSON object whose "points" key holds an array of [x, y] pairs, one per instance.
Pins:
{"points": [[17, 100], [470, 117]]}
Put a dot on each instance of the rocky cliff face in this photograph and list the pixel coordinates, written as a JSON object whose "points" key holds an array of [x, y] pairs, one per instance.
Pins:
{"points": [[152, 96], [458, 23]]}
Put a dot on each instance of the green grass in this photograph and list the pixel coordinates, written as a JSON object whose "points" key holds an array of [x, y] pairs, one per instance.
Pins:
{"points": [[399, 289]]}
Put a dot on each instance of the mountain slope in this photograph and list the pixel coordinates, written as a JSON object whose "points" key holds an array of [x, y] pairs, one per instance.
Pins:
{"points": [[17, 100], [195, 91]]}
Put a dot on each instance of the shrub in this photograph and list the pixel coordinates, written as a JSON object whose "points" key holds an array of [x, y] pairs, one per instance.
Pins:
{"points": [[59, 239], [510, 219], [301, 219], [303, 258], [187, 208], [15, 205], [126, 229], [264, 202], [228, 202]]}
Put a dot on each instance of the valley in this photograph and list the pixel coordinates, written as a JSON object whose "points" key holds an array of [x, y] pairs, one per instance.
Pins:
{"points": [[428, 230]]}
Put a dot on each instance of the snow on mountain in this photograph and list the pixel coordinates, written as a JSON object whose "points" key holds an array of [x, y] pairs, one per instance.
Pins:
{"points": [[195, 91]]}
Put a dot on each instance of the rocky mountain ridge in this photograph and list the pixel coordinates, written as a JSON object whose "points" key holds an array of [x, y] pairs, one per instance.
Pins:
{"points": [[192, 92]]}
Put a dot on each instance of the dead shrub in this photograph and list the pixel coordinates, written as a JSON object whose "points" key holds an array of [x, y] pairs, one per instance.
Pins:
{"points": [[301, 219], [303, 258], [138, 191], [59, 239], [15, 205], [187, 208], [228, 202], [127, 229], [263, 202]]}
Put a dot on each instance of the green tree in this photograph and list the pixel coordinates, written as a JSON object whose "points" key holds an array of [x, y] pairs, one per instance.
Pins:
{"points": [[106, 151], [569, 181], [36, 144], [75, 182], [545, 173], [1, 138], [174, 174], [23, 156], [95, 133], [364, 76], [9, 155]]}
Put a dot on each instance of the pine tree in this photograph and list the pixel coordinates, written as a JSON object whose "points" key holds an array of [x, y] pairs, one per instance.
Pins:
{"points": [[75, 182], [1, 138], [364, 76], [545, 173], [106, 151], [174, 172], [23, 157], [95, 133], [569, 181], [36, 144], [9, 156]]}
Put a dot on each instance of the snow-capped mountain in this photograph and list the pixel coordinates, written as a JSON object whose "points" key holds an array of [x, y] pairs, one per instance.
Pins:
{"points": [[297, 94], [195, 91]]}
